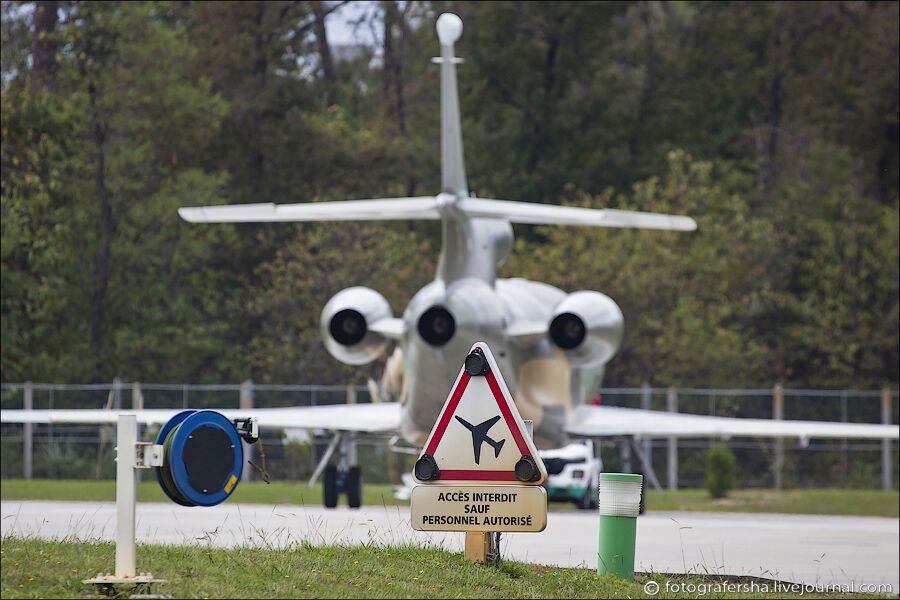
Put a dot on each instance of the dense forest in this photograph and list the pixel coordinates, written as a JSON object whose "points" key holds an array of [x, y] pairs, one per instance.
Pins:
{"points": [[774, 124]]}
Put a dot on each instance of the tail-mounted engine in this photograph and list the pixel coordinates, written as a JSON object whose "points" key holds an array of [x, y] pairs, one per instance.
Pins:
{"points": [[346, 324], [588, 327]]}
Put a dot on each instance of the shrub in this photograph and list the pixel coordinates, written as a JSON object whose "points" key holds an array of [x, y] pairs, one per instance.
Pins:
{"points": [[720, 471]]}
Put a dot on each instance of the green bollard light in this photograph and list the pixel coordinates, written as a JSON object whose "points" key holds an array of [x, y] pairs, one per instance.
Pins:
{"points": [[619, 500]]}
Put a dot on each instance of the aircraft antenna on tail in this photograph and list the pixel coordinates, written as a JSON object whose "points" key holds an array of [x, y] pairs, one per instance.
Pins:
{"points": [[453, 166]]}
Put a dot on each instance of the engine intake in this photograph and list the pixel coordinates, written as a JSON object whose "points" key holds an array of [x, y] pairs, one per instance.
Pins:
{"points": [[347, 327], [588, 327], [437, 326], [346, 321], [567, 330]]}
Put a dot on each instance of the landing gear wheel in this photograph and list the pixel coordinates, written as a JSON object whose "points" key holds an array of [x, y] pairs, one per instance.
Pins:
{"points": [[329, 487], [354, 488]]}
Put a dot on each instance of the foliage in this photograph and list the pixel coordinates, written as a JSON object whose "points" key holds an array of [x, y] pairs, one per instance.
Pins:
{"points": [[721, 467], [305, 273], [774, 125]]}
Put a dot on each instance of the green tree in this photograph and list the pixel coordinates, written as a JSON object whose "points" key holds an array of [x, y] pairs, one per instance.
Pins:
{"points": [[774, 125], [96, 163], [721, 468], [320, 262], [681, 293]]}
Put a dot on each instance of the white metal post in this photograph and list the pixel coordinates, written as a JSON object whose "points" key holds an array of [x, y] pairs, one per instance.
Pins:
{"points": [[137, 396], [117, 392], [625, 453], [844, 444], [27, 433], [125, 495], [778, 414], [886, 470], [130, 456], [246, 401], [672, 458], [646, 404], [137, 403]]}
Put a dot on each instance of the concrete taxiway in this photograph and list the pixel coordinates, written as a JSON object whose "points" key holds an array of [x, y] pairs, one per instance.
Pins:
{"points": [[799, 548]]}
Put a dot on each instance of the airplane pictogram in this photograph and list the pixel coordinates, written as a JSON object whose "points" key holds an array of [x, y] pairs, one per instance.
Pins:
{"points": [[480, 436]]}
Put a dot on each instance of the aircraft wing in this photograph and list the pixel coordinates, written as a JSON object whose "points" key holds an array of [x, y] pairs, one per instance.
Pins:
{"points": [[364, 418], [588, 421], [605, 421]]}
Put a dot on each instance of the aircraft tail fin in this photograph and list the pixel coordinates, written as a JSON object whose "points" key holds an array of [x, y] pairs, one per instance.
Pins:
{"points": [[498, 447]]}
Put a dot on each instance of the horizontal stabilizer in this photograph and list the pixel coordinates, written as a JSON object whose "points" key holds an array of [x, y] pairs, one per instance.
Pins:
{"points": [[433, 208], [387, 209], [551, 214]]}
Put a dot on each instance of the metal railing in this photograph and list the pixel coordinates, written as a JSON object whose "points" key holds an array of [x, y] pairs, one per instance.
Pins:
{"points": [[58, 450]]}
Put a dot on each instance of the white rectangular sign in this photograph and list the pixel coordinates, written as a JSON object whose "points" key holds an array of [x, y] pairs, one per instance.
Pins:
{"points": [[478, 508]]}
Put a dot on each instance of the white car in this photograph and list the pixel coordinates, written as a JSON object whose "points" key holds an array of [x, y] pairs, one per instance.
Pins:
{"points": [[573, 474]]}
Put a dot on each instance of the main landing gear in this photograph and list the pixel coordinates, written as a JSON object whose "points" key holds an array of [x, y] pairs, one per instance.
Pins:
{"points": [[344, 477], [337, 481]]}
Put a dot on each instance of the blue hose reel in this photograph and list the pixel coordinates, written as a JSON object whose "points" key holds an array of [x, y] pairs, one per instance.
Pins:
{"points": [[202, 459]]}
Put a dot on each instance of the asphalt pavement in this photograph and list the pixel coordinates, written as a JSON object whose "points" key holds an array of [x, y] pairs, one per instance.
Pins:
{"points": [[798, 548]]}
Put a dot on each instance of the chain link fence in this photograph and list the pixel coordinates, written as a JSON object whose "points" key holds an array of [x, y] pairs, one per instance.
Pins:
{"points": [[821, 463], [85, 451]]}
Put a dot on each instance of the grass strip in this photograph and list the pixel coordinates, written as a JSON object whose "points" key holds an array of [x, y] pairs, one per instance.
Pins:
{"points": [[859, 502], [31, 568]]}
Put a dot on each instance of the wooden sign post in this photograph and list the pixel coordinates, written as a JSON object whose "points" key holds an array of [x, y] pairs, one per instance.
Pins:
{"points": [[479, 471]]}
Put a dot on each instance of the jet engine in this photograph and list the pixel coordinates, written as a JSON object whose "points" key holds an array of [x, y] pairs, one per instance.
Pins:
{"points": [[346, 324], [588, 327]]}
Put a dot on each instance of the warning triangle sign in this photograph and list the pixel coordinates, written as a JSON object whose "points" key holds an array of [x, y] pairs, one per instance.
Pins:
{"points": [[479, 435]]}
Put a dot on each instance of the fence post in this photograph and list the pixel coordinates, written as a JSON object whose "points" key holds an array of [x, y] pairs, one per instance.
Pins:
{"points": [[672, 457], [117, 393], [625, 453], [246, 402], [778, 414], [137, 396], [137, 403], [27, 433], [844, 445], [886, 470], [646, 397]]}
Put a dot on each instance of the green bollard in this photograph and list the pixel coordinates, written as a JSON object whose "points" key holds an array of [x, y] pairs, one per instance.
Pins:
{"points": [[619, 501]]}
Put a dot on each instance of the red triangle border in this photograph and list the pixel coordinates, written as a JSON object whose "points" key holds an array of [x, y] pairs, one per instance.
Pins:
{"points": [[456, 396]]}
